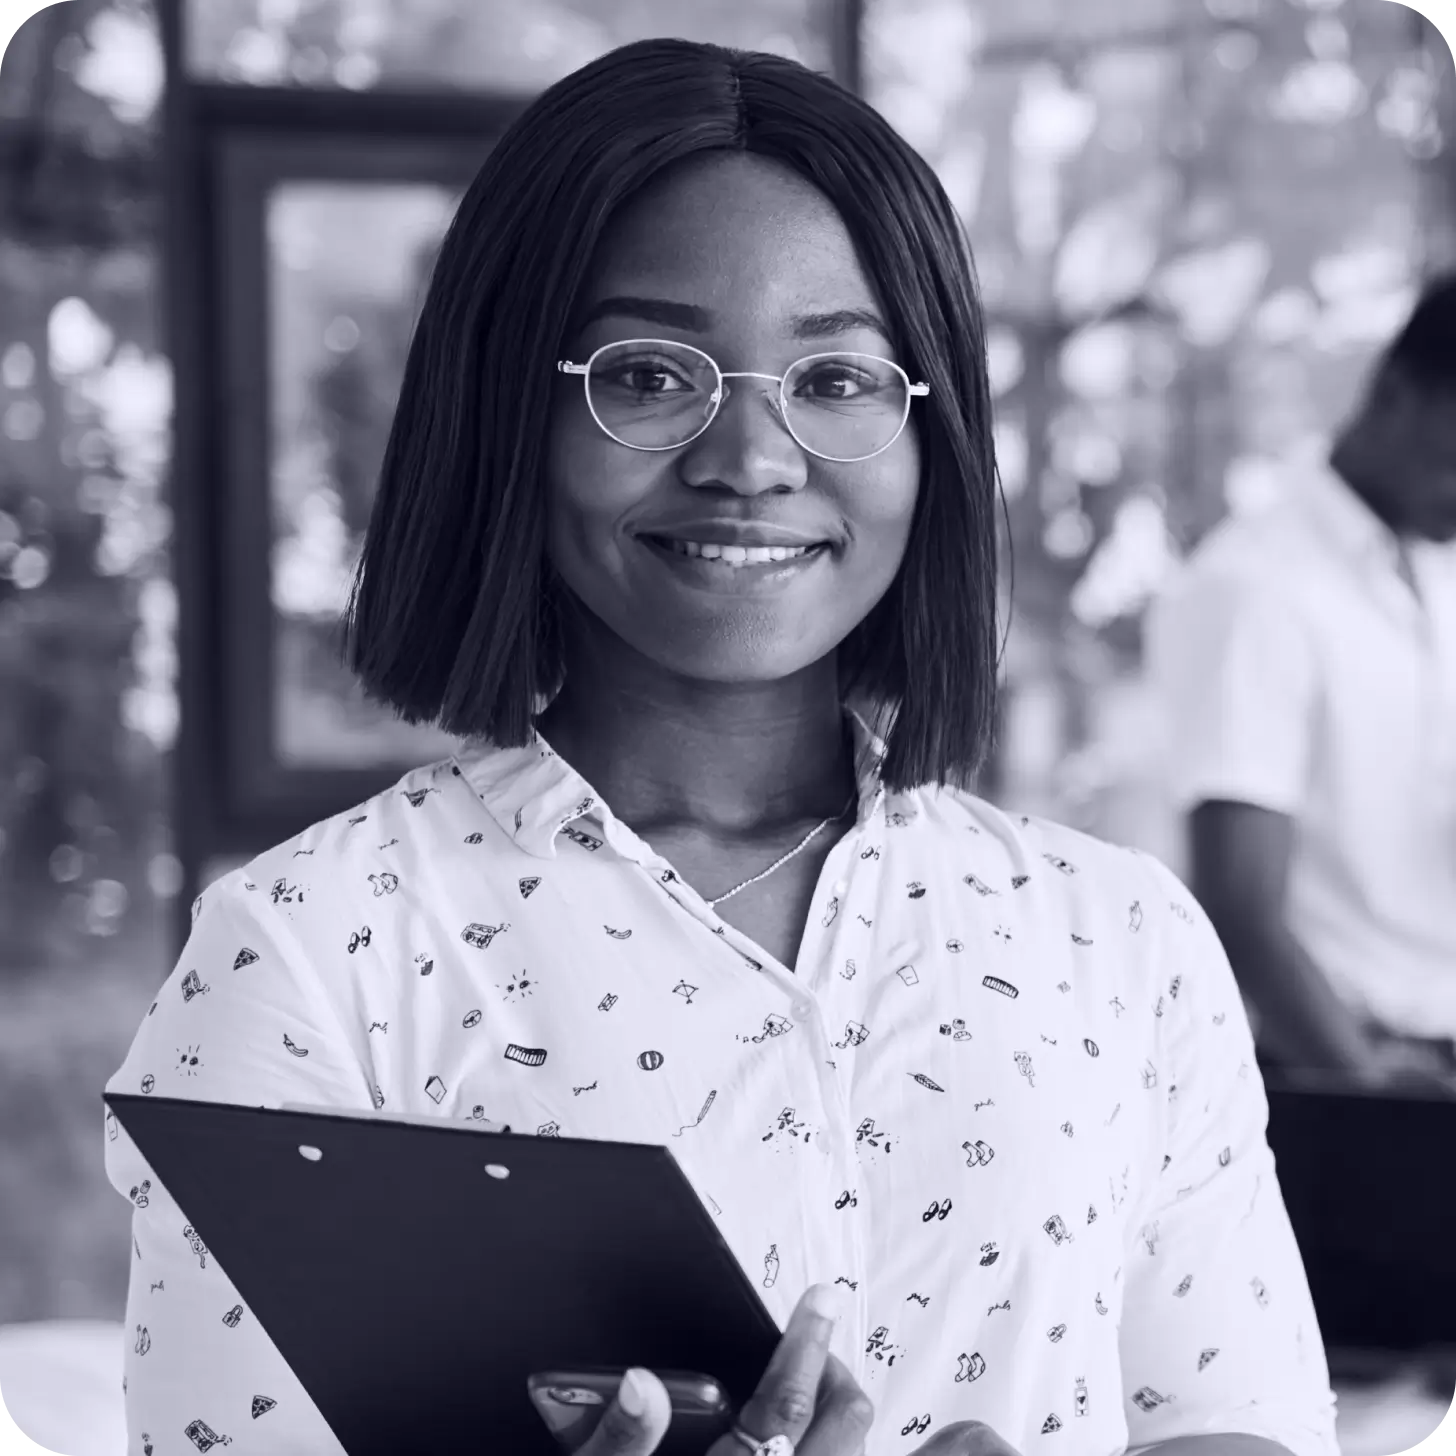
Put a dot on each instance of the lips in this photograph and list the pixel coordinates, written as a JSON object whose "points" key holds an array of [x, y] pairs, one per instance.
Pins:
{"points": [[722, 531]]}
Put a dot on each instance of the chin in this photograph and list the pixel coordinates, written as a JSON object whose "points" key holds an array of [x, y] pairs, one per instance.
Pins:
{"points": [[740, 661]]}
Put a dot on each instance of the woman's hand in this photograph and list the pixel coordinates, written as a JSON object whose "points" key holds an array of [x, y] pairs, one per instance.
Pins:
{"points": [[806, 1394]]}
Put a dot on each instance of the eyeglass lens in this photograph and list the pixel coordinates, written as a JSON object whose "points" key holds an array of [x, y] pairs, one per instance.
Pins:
{"points": [[655, 395]]}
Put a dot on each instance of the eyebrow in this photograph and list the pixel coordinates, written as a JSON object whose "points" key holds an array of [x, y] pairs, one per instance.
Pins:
{"points": [[693, 319]]}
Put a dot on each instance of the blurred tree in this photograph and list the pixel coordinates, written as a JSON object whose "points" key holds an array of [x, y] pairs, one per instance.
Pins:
{"points": [[83, 532]]}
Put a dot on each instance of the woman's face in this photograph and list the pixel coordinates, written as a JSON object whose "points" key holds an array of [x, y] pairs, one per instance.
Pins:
{"points": [[745, 261]]}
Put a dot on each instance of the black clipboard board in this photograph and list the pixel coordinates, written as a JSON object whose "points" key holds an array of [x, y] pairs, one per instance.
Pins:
{"points": [[412, 1292]]}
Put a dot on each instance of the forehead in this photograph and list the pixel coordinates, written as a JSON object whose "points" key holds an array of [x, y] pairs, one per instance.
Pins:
{"points": [[740, 235]]}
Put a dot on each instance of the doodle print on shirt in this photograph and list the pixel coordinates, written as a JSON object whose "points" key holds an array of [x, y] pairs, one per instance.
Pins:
{"points": [[196, 1245], [526, 1056], [204, 1437], [787, 1094], [881, 1346], [480, 936], [701, 1115], [978, 1154], [773, 1025], [518, 986], [871, 1137], [973, 1367]]}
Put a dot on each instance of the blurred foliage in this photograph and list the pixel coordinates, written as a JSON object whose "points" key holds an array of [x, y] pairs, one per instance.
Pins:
{"points": [[85, 651], [1194, 222], [500, 45]]}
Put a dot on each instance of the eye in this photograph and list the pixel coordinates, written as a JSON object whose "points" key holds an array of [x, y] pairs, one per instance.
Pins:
{"points": [[645, 378], [835, 379]]}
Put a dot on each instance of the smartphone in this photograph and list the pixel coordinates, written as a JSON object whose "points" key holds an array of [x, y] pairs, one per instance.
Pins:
{"points": [[571, 1402]]}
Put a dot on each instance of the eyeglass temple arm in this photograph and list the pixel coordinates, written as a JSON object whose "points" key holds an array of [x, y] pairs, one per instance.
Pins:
{"points": [[567, 367]]}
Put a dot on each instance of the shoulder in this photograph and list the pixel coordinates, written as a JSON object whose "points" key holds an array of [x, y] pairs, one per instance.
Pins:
{"points": [[427, 816], [1076, 895], [1243, 559], [1029, 845]]}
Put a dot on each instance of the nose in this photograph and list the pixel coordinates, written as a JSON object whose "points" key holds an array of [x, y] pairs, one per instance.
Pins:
{"points": [[747, 448]]}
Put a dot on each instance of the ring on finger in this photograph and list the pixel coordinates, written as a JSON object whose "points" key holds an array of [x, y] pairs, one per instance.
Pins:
{"points": [[778, 1445]]}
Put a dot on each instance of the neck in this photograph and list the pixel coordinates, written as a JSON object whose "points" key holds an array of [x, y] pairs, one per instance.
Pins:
{"points": [[738, 759]]}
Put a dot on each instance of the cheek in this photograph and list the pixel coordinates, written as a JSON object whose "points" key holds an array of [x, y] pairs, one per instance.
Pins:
{"points": [[882, 508], [589, 486]]}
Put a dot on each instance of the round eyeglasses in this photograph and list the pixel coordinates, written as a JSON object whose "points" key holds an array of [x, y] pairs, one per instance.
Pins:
{"points": [[657, 394]]}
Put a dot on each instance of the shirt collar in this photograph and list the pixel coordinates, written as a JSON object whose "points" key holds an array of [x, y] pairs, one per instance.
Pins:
{"points": [[534, 794]]}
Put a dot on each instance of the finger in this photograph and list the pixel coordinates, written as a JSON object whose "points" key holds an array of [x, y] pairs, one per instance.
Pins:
{"points": [[783, 1403], [636, 1420], [843, 1414]]}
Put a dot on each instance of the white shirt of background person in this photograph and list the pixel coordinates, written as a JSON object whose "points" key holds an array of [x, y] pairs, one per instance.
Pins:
{"points": [[1300, 672]]}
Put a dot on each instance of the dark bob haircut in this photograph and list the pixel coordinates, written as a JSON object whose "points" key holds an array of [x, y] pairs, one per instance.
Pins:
{"points": [[456, 615]]}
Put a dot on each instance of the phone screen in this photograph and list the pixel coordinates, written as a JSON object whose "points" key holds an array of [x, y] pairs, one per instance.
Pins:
{"points": [[571, 1402]]}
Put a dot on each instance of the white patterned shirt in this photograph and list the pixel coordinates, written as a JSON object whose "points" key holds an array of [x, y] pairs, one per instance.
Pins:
{"points": [[1007, 1097]]}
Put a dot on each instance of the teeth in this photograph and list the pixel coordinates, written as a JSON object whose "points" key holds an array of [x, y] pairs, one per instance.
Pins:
{"points": [[739, 555]]}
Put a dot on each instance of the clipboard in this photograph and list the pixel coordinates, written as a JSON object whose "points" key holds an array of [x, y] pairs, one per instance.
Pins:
{"points": [[413, 1275]]}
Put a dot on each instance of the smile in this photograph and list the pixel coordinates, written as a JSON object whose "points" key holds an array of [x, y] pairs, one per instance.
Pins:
{"points": [[734, 556], [714, 567]]}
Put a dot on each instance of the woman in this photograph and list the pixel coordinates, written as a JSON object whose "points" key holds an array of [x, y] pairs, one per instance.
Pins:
{"points": [[686, 526]]}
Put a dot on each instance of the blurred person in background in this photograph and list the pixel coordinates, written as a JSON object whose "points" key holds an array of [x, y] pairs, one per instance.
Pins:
{"points": [[1306, 659]]}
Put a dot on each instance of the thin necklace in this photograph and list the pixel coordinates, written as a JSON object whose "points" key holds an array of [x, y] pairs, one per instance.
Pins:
{"points": [[802, 845]]}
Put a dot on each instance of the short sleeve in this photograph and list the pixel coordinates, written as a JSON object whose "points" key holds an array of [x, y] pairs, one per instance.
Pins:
{"points": [[235, 1022], [1234, 670], [1219, 1333]]}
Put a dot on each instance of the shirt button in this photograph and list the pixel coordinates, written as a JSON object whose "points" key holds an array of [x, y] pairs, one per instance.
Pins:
{"points": [[841, 887], [802, 1009]]}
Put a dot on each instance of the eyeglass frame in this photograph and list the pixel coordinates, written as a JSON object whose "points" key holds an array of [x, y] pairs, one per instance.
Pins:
{"points": [[723, 392]]}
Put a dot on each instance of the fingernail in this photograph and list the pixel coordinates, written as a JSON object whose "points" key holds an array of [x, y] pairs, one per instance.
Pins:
{"points": [[632, 1393], [822, 1301]]}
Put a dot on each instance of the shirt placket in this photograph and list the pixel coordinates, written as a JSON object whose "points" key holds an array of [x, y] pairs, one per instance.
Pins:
{"points": [[848, 879]]}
